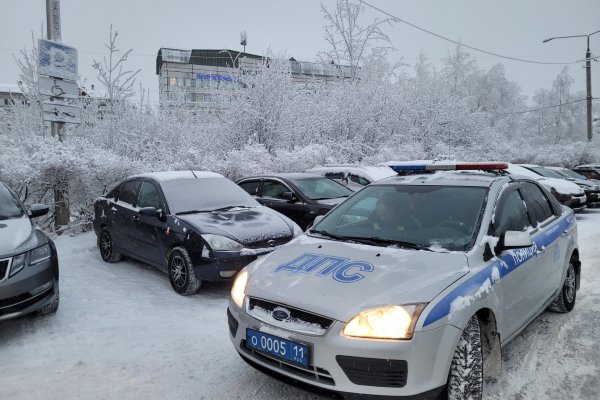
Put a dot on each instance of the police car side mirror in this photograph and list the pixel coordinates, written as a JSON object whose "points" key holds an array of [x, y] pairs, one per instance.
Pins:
{"points": [[515, 240]]}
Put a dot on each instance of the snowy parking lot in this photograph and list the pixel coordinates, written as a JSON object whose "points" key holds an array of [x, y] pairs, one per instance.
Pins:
{"points": [[122, 333]]}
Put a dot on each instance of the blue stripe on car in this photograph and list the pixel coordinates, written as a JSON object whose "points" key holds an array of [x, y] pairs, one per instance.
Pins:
{"points": [[505, 265]]}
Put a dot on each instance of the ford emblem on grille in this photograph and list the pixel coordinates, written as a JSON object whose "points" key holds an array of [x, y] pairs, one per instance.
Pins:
{"points": [[281, 314], [271, 243]]}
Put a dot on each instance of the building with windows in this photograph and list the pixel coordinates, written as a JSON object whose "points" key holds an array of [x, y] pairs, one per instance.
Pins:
{"points": [[10, 95], [201, 77]]}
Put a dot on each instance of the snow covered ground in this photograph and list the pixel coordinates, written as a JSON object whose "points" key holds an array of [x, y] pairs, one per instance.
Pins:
{"points": [[123, 333]]}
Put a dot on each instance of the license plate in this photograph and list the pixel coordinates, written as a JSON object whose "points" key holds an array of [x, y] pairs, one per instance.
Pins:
{"points": [[288, 350]]}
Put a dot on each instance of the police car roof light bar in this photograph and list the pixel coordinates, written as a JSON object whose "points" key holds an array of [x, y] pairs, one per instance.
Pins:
{"points": [[451, 167]]}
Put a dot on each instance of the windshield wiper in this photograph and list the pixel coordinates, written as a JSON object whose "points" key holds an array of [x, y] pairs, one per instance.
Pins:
{"points": [[325, 233], [191, 212], [381, 241], [228, 208]]}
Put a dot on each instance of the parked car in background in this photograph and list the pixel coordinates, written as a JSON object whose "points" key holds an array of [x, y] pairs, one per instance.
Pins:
{"points": [[590, 187], [28, 260], [301, 197], [411, 287], [591, 171], [193, 225], [354, 176], [567, 193]]}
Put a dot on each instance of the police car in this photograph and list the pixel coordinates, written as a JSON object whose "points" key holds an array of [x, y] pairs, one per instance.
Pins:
{"points": [[410, 287]]}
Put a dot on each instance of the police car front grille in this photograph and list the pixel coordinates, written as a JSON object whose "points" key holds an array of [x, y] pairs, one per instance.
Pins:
{"points": [[273, 242], [374, 371], [312, 373], [296, 314]]}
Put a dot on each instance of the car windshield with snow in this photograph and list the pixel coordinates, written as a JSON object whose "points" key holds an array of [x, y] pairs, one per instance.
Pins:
{"points": [[194, 225], [412, 286]]}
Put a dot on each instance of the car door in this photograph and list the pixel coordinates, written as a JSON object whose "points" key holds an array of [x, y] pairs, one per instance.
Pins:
{"points": [[273, 197], [147, 232], [521, 268], [123, 211], [551, 252]]}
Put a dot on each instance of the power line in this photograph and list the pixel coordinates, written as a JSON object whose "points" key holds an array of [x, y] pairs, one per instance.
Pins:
{"points": [[462, 44], [542, 108]]}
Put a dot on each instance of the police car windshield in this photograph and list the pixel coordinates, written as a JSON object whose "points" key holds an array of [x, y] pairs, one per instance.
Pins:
{"points": [[433, 217], [320, 188], [205, 194], [9, 208]]}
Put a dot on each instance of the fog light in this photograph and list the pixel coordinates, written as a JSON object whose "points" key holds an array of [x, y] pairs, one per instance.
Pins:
{"points": [[40, 289], [227, 274]]}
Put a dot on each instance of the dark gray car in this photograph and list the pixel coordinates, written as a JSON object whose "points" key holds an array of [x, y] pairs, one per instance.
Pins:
{"points": [[28, 260]]}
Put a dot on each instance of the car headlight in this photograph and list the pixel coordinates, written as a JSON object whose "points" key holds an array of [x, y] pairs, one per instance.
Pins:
{"points": [[40, 254], [18, 263], [218, 242], [238, 291], [391, 322], [297, 230]]}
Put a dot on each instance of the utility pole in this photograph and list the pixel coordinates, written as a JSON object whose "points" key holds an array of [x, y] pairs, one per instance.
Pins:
{"points": [[588, 77], [53, 33]]}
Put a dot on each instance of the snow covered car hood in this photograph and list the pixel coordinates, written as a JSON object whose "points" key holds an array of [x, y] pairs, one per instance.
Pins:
{"points": [[13, 233], [246, 225], [299, 275]]}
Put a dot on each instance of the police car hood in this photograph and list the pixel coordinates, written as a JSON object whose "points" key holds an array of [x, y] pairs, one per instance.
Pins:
{"points": [[339, 279]]}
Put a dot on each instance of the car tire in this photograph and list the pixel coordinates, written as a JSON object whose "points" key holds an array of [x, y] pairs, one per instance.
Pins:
{"points": [[465, 379], [565, 301], [181, 272], [108, 252], [51, 307]]}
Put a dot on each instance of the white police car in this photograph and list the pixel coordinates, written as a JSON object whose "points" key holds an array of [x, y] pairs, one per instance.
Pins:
{"points": [[411, 286]]}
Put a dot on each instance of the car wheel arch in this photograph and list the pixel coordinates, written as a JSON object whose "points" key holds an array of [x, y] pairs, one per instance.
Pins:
{"points": [[490, 343]]}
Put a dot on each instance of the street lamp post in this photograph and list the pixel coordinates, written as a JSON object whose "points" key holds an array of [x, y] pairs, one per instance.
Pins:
{"points": [[588, 76]]}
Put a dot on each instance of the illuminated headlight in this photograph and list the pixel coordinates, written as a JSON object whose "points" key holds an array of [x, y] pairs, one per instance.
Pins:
{"points": [[218, 242], [238, 291], [297, 230], [18, 263], [391, 322], [40, 254]]}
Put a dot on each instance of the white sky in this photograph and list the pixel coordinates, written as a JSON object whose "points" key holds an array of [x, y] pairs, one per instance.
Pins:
{"points": [[510, 27]]}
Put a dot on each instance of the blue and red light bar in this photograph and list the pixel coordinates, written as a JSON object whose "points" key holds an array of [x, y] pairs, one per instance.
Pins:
{"points": [[450, 167]]}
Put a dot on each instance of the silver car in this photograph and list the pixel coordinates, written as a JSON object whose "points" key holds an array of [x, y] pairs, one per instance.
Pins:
{"points": [[410, 287]]}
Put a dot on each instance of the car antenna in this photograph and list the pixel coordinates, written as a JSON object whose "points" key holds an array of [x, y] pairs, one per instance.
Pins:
{"points": [[191, 170]]}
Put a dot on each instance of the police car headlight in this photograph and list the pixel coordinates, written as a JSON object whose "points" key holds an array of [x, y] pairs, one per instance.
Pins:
{"points": [[218, 242], [391, 322], [238, 291], [297, 230]]}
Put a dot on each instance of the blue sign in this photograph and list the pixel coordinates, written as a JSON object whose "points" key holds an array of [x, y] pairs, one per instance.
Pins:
{"points": [[213, 77], [57, 60]]}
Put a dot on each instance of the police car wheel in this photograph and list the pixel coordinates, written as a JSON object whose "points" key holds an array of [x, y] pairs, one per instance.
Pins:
{"points": [[565, 301], [465, 380], [181, 273], [107, 247]]}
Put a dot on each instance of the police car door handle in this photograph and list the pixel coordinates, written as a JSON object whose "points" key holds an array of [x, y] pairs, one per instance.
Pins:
{"points": [[565, 233], [540, 251]]}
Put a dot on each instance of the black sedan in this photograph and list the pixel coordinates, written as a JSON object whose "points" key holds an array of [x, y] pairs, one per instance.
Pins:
{"points": [[301, 197], [28, 260], [193, 225]]}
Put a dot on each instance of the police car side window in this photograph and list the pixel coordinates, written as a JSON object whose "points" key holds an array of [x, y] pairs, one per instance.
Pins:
{"points": [[128, 192], [511, 214], [537, 203]]}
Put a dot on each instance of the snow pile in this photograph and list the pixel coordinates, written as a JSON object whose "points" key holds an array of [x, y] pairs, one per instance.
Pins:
{"points": [[462, 302], [293, 324]]}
